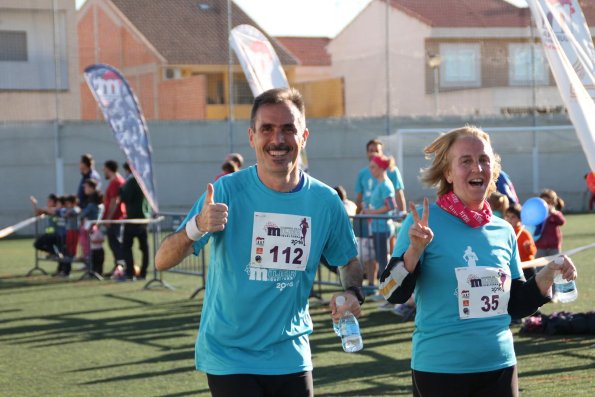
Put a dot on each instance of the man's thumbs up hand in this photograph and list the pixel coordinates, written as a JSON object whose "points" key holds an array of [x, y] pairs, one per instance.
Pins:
{"points": [[213, 216]]}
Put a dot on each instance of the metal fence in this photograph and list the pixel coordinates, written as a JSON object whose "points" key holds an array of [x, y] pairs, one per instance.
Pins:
{"points": [[197, 266]]}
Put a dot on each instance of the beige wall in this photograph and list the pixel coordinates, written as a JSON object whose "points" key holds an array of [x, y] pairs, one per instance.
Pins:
{"points": [[47, 104], [359, 56], [312, 73]]}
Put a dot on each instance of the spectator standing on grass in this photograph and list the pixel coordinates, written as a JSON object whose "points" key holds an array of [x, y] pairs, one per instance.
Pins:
{"points": [[525, 243], [92, 211], [71, 217], [590, 181], [96, 239], [381, 202], [137, 207], [253, 336], [550, 233], [88, 171], [463, 264], [364, 186], [114, 211]]}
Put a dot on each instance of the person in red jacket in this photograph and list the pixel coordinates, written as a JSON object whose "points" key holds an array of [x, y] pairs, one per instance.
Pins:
{"points": [[550, 240], [114, 210]]}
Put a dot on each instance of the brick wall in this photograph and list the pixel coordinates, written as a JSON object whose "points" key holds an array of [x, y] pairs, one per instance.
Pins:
{"points": [[122, 48], [183, 99]]}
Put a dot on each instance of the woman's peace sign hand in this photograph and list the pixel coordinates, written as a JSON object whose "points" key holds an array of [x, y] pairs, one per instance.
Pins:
{"points": [[420, 234]]}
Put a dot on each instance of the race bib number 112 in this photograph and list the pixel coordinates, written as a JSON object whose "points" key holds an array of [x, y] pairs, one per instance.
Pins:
{"points": [[280, 241]]}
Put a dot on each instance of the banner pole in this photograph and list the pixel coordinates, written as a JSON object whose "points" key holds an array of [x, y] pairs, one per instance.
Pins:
{"points": [[230, 77]]}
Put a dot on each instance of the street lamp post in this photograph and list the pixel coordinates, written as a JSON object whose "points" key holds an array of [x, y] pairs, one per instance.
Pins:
{"points": [[434, 61]]}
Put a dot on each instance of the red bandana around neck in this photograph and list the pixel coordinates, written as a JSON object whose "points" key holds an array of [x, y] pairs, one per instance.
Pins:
{"points": [[450, 203]]}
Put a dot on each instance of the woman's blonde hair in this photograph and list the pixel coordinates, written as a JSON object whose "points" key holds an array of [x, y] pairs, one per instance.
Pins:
{"points": [[438, 150]]}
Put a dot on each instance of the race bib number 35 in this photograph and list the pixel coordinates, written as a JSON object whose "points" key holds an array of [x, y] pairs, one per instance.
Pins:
{"points": [[482, 291], [280, 241]]}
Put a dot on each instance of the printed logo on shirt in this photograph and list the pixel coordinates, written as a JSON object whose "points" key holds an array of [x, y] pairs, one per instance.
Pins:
{"points": [[282, 278], [470, 257]]}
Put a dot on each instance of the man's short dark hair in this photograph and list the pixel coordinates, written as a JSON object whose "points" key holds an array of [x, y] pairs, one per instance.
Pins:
{"points": [[376, 142], [275, 96], [87, 159], [111, 165], [126, 166]]}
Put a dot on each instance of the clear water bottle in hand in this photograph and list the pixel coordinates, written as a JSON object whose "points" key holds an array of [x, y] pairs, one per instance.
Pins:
{"points": [[348, 329], [564, 290]]}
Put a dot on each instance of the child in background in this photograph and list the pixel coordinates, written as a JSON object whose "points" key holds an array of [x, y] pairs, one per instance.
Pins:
{"points": [[71, 217], [498, 203], [91, 212], [96, 239], [525, 243], [550, 240]]}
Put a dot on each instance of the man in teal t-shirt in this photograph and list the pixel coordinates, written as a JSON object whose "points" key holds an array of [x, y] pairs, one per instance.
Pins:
{"points": [[365, 182], [268, 226]]}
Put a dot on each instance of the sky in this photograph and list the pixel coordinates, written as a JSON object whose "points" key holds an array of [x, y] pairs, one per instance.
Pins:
{"points": [[311, 18]]}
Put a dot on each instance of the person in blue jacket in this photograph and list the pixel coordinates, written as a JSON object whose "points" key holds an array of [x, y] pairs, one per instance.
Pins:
{"points": [[268, 226], [463, 265]]}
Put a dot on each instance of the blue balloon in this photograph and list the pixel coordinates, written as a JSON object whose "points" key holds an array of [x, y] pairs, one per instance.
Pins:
{"points": [[534, 211]]}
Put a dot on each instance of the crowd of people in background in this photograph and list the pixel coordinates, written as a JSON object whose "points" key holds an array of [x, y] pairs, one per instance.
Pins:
{"points": [[78, 224], [72, 234]]}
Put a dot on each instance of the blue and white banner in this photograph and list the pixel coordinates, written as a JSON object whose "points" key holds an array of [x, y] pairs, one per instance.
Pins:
{"points": [[123, 114], [569, 49]]}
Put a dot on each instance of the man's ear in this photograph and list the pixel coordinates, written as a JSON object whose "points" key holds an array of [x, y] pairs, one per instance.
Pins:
{"points": [[305, 137], [251, 137]]}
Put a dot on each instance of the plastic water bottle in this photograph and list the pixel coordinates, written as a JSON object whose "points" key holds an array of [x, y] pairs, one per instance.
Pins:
{"points": [[564, 290], [348, 329]]}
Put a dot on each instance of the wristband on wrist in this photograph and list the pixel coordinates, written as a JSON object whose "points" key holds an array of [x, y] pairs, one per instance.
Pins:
{"points": [[192, 230], [358, 293]]}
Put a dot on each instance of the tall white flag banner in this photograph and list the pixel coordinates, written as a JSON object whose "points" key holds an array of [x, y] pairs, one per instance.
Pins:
{"points": [[569, 50], [123, 114], [259, 60], [261, 65]]}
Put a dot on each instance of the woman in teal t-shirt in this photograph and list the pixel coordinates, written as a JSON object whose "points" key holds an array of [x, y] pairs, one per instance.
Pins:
{"points": [[463, 265], [382, 202]]}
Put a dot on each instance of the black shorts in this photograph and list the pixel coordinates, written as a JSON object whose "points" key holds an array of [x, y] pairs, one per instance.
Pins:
{"points": [[246, 385], [500, 383]]}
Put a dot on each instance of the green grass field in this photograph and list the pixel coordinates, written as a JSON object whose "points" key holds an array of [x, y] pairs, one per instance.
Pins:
{"points": [[104, 338]]}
